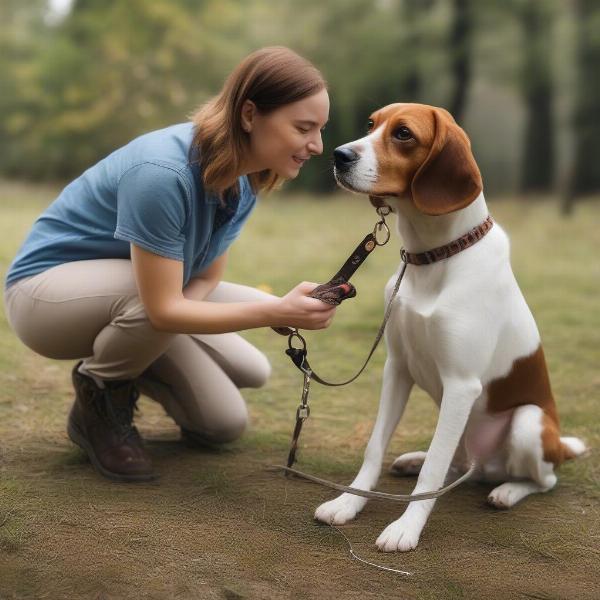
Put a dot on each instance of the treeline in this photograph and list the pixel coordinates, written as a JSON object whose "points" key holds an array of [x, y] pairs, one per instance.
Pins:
{"points": [[520, 75]]}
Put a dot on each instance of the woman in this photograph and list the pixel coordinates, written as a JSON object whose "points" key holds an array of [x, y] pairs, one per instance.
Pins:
{"points": [[123, 269]]}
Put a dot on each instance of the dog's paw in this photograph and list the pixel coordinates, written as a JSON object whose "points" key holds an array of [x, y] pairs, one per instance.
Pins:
{"points": [[508, 494], [408, 464], [340, 510], [502, 497], [401, 535]]}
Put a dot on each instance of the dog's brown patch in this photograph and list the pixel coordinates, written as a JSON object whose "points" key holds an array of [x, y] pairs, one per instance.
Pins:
{"points": [[528, 383], [554, 450]]}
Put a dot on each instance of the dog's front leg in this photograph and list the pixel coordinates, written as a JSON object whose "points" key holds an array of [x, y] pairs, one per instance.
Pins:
{"points": [[457, 400], [396, 387]]}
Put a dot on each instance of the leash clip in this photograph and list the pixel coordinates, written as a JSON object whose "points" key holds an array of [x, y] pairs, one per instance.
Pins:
{"points": [[382, 211], [296, 333], [302, 412]]}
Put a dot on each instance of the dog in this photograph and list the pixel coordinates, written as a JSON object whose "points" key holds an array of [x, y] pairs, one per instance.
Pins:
{"points": [[459, 327]]}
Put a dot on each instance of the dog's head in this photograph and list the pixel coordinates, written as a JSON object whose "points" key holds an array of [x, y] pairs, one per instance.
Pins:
{"points": [[411, 151]]}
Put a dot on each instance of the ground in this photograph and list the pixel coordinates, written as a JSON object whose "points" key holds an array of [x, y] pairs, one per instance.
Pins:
{"points": [[219, 524]]}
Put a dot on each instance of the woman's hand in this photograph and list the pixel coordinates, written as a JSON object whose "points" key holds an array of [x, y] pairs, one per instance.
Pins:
{"points": [[159, 281], [298, 309]]}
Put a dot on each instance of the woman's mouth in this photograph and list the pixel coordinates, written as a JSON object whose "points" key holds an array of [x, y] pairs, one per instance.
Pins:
{"points": [[299, 160]]}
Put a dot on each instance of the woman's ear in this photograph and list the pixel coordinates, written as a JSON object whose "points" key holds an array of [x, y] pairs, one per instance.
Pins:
{"points": [[247, 116], [449, 178]]}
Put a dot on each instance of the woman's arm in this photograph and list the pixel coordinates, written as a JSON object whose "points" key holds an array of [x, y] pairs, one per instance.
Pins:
{"points": [[160, 281], [199, 287]]}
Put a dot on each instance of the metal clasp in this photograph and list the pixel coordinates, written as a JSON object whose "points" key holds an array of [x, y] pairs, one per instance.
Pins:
{"points": [[303, 410], [294, 334], [382, 211]]}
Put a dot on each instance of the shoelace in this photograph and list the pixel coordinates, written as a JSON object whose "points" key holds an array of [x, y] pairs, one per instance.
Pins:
{"points": [[117, 413]]}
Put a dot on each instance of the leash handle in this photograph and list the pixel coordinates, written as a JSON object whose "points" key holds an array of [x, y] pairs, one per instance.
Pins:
{"points": [[339, 288], [358, 256]]}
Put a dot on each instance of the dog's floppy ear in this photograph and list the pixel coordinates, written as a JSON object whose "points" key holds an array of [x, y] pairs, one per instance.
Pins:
{"points": [[449, 178]]}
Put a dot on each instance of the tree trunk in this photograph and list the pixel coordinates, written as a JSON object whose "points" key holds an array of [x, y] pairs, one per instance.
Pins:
{"points": [[537, 174], [585, 178], [461, 39]]}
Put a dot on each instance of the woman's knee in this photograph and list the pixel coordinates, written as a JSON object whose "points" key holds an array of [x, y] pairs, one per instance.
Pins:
{"points": [[228, 432], [219, 429], [256, 372]]}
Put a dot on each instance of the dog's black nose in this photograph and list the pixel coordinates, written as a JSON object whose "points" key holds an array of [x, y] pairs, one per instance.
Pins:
{"points": [[344, 157]]}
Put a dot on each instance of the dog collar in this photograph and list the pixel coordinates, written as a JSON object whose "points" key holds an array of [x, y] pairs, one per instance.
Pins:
{"points": [[442, 252]]}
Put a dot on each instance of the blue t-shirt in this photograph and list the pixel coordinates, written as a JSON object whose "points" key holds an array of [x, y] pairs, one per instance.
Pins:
{"points": [[147, 192]]}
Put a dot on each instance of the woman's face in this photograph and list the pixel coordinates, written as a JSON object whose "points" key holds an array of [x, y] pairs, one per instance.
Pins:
{"points": [[284, 139]]}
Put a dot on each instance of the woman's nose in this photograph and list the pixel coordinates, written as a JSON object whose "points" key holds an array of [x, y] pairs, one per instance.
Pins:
{"points": [[315, 146]]}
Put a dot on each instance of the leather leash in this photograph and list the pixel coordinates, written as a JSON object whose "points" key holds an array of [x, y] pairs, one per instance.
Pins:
{"points": [[338, 289]]}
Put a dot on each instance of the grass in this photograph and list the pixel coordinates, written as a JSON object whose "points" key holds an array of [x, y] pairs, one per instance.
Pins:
{"points": [[218, 524]]}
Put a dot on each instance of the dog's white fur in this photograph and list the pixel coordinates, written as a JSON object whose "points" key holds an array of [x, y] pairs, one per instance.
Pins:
{"points": [[455, 326]]}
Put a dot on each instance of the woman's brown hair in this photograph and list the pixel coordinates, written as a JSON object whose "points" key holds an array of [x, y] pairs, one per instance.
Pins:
{"points": [[270, 77]]}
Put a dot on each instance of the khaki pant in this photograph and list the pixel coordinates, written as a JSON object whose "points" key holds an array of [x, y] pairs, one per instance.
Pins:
{"points": [[90, 309]]}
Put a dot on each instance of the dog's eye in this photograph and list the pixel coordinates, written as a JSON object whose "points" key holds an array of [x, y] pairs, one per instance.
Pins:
{"points": [[370, 124], [403, 134]]}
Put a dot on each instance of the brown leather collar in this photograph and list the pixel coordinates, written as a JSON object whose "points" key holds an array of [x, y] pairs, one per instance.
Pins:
{"points": [[448, 250]]}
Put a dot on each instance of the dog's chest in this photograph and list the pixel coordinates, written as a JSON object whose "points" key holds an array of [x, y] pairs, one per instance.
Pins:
{"points": [[416, 327]]}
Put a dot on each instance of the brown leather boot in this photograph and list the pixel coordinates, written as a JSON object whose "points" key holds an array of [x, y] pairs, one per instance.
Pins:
{"points": [[100, 422]]}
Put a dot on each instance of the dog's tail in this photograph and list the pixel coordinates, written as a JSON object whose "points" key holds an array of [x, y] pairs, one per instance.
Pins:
{"points": [[572, 447]]}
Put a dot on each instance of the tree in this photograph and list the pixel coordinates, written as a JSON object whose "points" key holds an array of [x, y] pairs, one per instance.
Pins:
{"points": [[111, 71], [23, 35], [461, 52], [536, 83], [584, 174]]}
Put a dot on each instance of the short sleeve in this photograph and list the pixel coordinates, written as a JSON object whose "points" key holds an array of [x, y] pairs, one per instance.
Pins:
{"points": [[247, 204], [152, 209]]}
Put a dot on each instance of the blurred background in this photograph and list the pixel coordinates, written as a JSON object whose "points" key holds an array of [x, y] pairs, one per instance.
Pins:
{"points": [[79, 78]]}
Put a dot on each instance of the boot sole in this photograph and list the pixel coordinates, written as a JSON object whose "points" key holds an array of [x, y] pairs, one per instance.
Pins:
{"points": [[79, 439]]}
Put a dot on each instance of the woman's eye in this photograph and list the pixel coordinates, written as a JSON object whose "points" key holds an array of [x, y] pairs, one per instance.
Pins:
{"points": [[303, 130], [403, 134]]}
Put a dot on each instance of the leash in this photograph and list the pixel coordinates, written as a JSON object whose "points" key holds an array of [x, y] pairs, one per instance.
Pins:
{"points": [[299, 358], [381, 495], [334, 292]]}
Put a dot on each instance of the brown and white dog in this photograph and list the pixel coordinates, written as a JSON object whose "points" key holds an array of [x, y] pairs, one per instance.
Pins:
{"points": [[459, 328]]}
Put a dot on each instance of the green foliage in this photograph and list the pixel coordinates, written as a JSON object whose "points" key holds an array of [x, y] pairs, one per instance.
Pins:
{"points": [[110, 72], [72, 91]]}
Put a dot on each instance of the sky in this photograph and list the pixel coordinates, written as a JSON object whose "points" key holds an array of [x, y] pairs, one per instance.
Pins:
{"points": [[57, 10]]}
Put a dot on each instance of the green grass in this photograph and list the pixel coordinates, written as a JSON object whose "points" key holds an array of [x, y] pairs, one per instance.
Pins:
{"points": [[219, 524]]}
